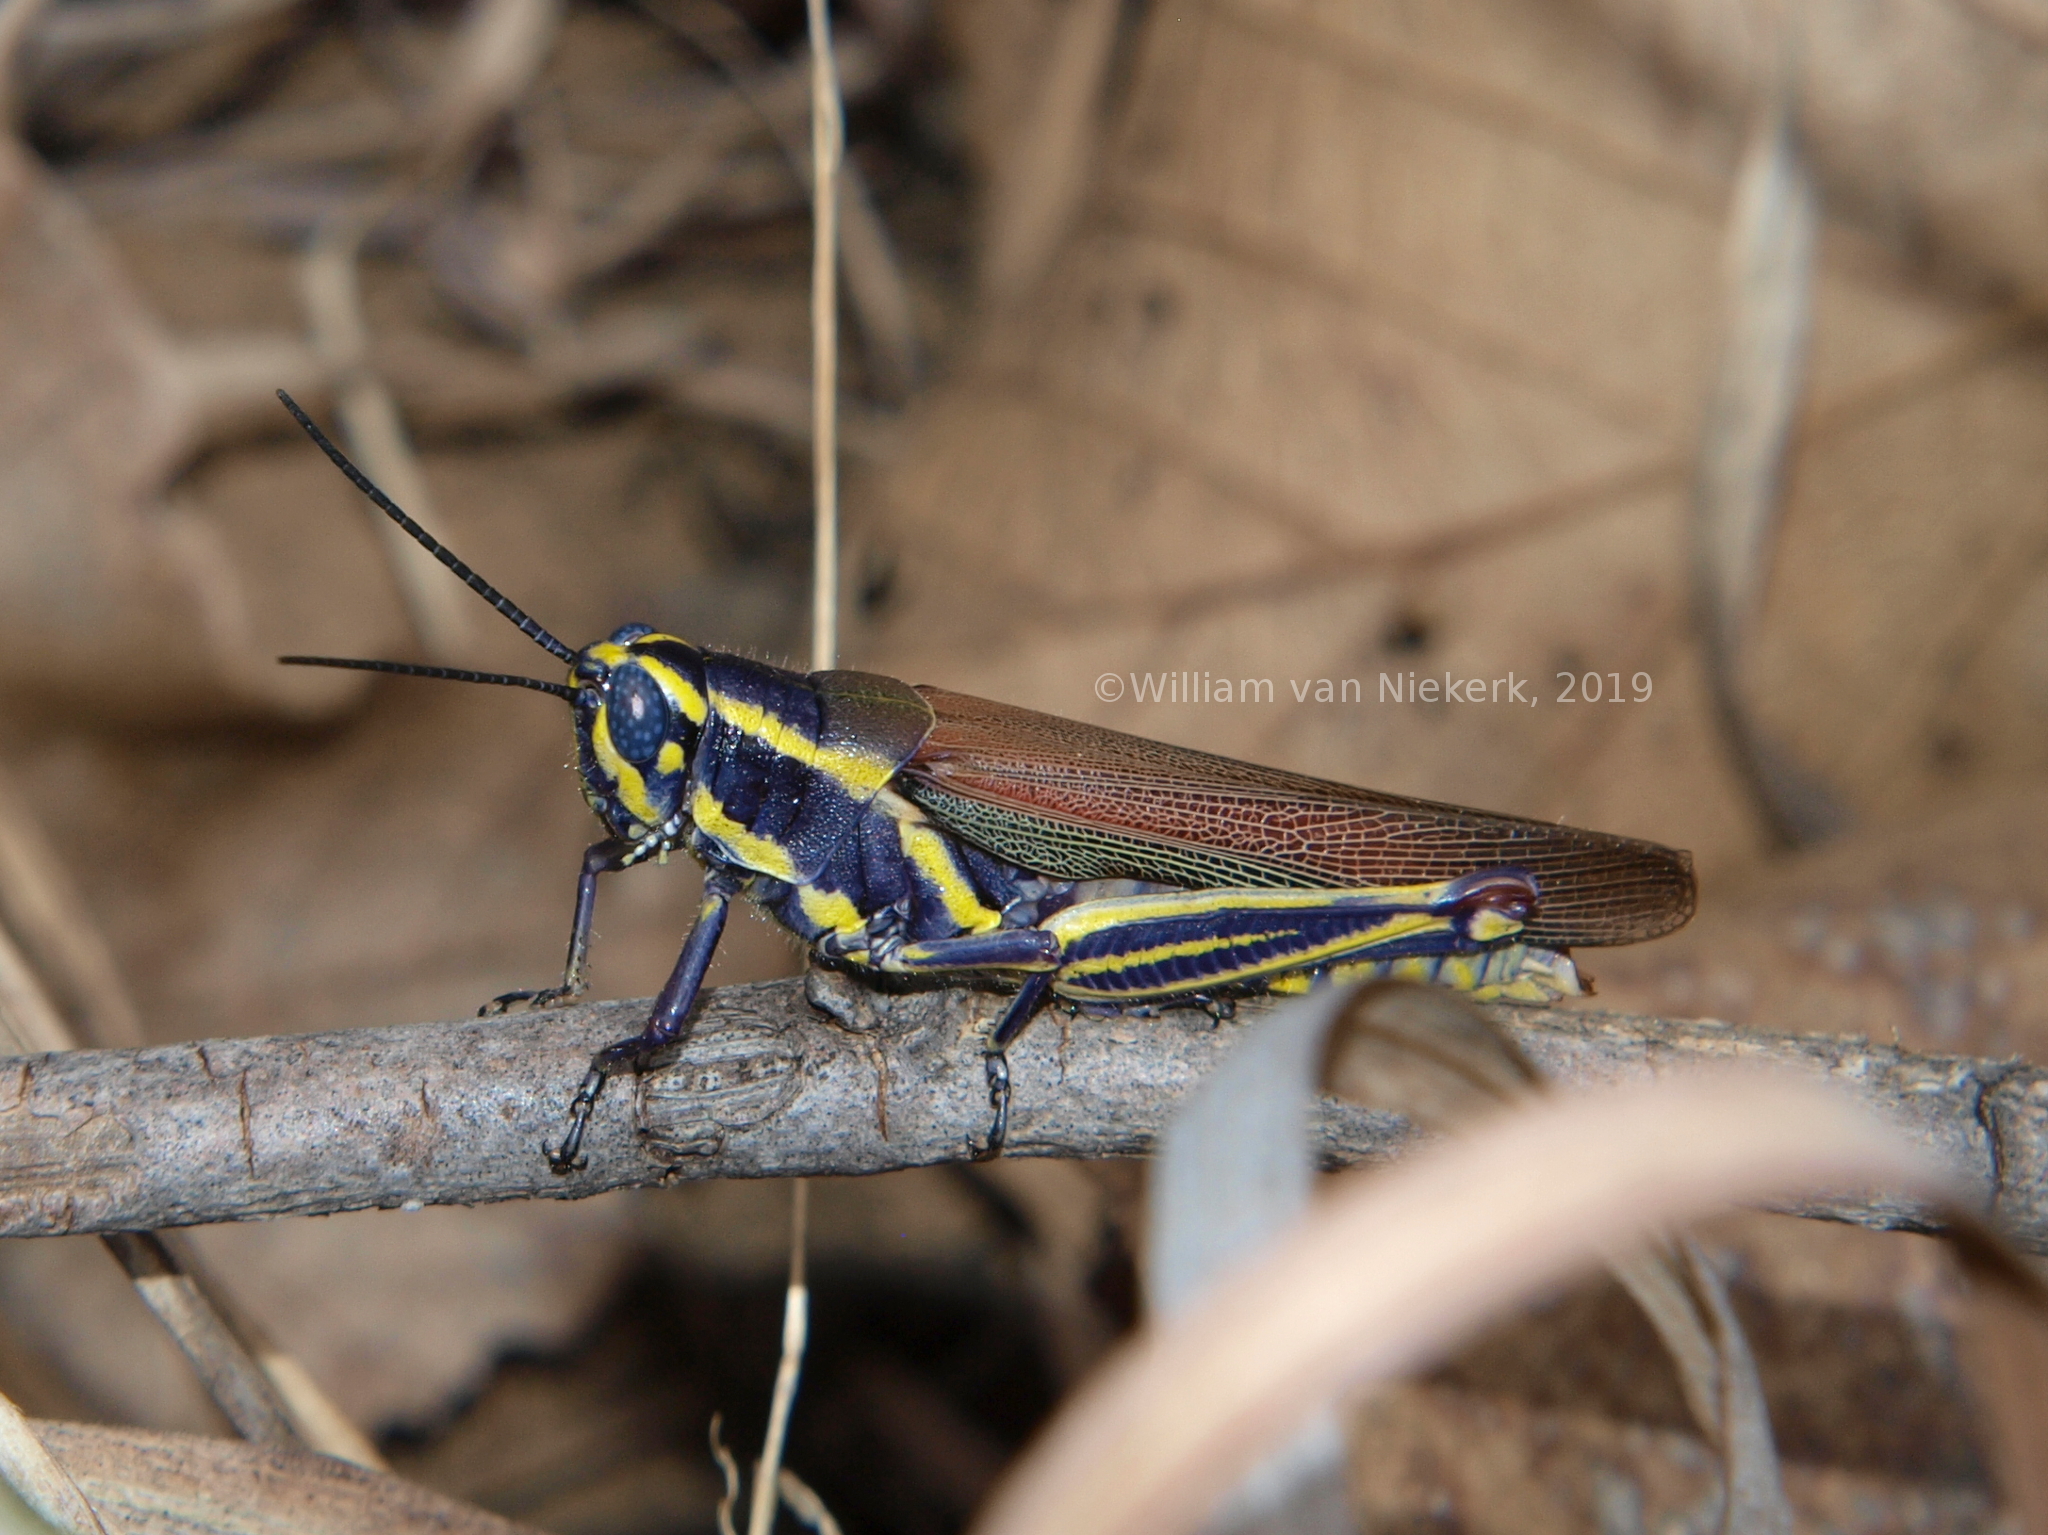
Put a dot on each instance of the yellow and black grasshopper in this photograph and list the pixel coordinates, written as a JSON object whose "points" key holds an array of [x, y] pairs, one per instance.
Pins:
{"points": [[914, 831]]}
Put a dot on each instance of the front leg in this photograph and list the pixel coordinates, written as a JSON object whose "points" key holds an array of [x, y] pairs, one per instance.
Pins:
{"points": [[599, 858], [664, 1026]]}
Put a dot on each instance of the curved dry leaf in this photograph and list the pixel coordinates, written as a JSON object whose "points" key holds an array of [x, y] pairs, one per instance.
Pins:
{"points": [[1389, 1271], [182, 1484], [1429, 1055], [1234, 1169]]}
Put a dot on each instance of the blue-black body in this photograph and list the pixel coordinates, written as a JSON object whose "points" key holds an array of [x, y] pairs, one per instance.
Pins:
{"points": [[911, 831]]}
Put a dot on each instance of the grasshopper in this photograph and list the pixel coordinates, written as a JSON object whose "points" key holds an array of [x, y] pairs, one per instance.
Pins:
{"points": [[915, 832]]}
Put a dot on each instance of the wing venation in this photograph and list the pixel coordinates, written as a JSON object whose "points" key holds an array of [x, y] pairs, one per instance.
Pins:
{"points": [[1080, 802]]}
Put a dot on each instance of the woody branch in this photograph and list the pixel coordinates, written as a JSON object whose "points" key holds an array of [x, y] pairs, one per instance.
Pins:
{"points": [[818, 1077]]}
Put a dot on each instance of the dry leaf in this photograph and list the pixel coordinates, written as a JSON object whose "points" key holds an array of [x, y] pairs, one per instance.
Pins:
{"points": [[1386, 1272], [180, 1484], [1381, 348]]}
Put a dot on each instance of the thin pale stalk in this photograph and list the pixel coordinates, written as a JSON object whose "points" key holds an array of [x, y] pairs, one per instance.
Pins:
{"points": [[232, 1377], [729, 1469], [796, 1323], [826, 140], [36, 1478], [49, 919]]}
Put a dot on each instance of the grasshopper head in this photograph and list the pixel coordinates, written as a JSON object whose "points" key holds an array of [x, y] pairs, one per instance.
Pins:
{"points": [[638, 697], [639, 709]]}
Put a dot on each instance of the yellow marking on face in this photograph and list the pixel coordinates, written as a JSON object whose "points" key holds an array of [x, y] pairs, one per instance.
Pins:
{"points": [[605, 651], [830, 909], [681, 691], [929, 851], [862, 773], [759, 853], [630, 788], [670, 758]]}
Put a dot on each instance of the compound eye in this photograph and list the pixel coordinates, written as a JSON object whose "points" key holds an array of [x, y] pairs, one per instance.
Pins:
{"points": [[637, 711]]}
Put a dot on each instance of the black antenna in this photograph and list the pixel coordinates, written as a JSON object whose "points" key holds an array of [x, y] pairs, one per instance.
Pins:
{"points": [[444, 673], [428, 542]]}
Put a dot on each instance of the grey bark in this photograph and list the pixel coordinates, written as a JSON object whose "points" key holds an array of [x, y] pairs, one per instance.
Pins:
{"points": [[772, 1084]]}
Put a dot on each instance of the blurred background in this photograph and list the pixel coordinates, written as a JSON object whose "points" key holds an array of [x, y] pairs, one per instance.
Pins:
{"points": [[1691, 348]]}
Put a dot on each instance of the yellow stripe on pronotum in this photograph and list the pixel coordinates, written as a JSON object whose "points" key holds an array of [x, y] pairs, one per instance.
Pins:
{"points": [[862, 773]]}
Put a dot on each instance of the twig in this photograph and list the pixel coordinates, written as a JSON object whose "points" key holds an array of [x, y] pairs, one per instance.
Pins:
{"points": [[233, 1379], [264, 1392], [768, 1085]]}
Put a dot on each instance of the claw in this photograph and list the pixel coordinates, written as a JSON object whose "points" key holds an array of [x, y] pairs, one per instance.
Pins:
{"points": [[997, 1065], [547, 996], [569, 1159]]}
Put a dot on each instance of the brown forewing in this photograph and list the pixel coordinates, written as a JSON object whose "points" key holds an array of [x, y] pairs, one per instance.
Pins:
{"points": [[1160, 809]]}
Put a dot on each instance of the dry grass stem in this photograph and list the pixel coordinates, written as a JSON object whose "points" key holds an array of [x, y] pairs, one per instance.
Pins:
{"points": [[320, 1423], [42, 908], [33, 1473], [1387, 1273], [233, 1379], [729, 1472], [828, 133], [796, 1324]]}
